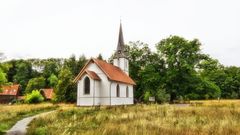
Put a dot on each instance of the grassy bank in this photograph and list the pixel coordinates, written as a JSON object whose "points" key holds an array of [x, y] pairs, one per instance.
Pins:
{"points": [[10, 114], [206, 117]]}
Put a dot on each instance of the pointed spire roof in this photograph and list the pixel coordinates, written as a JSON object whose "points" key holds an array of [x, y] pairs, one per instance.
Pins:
{"points": [[120, 45], [120, 52]]}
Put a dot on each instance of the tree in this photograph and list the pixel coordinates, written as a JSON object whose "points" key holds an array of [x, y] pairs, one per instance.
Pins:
{"points": [[35, 83], [3, 79], [139, 55], [100, 56], [50, 67], [65, 79], [23, 73], [181, 57], [53, 80]]}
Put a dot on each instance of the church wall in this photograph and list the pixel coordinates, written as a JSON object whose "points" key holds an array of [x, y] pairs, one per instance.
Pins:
{"points": [[101, 88], [84, 99], [122, 99]]}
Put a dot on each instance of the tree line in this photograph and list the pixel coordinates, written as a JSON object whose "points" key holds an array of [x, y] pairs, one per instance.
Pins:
{"points": [[177, 70]]}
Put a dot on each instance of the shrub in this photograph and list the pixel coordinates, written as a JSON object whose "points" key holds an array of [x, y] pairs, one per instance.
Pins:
{"points": [[147, 94], [34, 97], [162, 96]]}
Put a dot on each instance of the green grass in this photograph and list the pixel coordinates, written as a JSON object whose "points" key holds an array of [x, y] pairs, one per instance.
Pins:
{"points": [[10, 114], [209, 117]]}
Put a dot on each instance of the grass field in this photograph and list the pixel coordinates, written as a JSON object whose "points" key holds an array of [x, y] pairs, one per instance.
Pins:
{"points": [[10, 114], [200, 118]]}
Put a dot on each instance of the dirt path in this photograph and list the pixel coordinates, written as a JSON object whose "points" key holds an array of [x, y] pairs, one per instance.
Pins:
{"points": [[20, 128]]}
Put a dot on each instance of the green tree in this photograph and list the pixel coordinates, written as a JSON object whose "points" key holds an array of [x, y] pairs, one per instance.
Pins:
{"points": [[100, 56], [3, 79], [65, 79], [50, 67], [139, 55], [181, 57], [53, 80], [35, 83], [23, 73]]}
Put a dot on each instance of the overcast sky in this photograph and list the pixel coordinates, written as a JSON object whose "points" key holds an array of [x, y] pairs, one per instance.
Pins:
{"points": [[59, 28]]}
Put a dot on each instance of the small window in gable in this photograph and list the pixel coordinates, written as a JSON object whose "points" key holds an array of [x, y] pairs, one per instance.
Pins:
{"points": [[127, 92], [117, 91], [86, 85]]}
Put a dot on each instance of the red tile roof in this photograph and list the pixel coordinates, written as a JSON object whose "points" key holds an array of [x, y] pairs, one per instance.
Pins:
{"points": [[48, 93], [93, 75], [112, 72], [10, 90]]}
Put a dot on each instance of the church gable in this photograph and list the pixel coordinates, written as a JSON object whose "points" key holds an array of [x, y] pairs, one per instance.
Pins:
{"points": [[112, 72]]}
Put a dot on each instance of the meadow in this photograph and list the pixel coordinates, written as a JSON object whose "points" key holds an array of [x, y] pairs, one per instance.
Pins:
{"points": [[10, 114], [199, 118]]}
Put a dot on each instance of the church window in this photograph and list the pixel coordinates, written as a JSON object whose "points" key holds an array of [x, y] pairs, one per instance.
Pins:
{"points": [[127, 91], [86, 85], [117, 91]]}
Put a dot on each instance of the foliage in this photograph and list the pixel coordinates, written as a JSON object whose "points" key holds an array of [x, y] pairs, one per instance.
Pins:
{"points": [[65, 80], [23, 73], [178, 68], [162, 96], [147, 94], [35, 83], [53, 80], [181, 57], [34, 97], [100, 56], [3, 78]]}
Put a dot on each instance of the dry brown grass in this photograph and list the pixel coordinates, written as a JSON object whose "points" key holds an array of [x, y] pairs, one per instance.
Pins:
{"points": [[10, 114], [210, 117]]}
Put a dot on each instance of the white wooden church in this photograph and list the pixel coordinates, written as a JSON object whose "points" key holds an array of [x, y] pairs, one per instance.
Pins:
{"points": [[101, 83]]}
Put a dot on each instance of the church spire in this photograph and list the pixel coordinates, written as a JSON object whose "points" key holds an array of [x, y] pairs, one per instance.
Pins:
{"points": [[120, 46], [120, 58], [120, 52]]}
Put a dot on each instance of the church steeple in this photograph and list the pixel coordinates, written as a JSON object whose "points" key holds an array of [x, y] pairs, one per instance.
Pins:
{"points": [[120, 52], [120, 56], [120, 45]]}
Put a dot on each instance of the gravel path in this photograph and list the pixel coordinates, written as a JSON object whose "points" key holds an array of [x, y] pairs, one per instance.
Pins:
{"points": [[20, 128]]}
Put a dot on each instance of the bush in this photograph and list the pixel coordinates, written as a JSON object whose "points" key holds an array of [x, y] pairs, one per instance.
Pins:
{"points": [[147, 94], [34, 97], [162, 96]]}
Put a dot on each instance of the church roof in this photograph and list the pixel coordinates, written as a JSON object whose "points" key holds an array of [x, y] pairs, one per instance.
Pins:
{"points": [[112, 72], [93, 75]]}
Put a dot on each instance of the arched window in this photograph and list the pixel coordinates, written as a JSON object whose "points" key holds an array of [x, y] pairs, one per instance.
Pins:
{"points": [[86, 85], [127, 92], [118, 91]]}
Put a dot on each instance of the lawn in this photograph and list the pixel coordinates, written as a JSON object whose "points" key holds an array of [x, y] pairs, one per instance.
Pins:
{"points": [[10, 114], [201, 117]]}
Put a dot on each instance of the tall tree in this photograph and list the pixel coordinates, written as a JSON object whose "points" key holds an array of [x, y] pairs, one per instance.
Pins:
{"points": [[65, 79], [23, 73], [53, 80], [3, 79], [35, 83], [100, 56], [181, 57]]}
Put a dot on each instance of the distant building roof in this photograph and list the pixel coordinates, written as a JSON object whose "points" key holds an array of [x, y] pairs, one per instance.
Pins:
{"points": [[47, 93], [10, 90], [112, 72]]}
